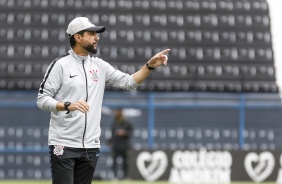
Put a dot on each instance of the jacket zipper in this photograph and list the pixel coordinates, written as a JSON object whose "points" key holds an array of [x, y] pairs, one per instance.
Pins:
{"points": [[86, 101]]}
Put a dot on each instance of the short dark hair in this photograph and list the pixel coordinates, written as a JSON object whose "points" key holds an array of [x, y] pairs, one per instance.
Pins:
{"points": [[72, 40]]}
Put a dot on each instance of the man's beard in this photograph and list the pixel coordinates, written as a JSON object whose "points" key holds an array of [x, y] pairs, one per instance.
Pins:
{"points": [[90, 49]]}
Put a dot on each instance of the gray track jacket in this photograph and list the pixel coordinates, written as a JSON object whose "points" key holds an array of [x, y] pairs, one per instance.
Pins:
{"points": [[72, 78]]}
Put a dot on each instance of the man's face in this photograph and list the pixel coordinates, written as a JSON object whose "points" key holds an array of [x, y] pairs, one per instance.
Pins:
{"points": [[90, 41], [118, 113]]}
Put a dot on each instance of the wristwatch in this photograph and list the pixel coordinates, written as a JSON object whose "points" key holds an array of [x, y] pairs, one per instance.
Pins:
{"points": [[149, 67], [67, 104]]}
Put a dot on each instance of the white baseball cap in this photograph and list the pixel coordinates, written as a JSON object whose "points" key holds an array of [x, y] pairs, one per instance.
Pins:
{"points": [[83, 23]]}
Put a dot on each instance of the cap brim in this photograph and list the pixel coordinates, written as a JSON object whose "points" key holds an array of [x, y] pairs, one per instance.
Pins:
{"points": [[97, 29]]}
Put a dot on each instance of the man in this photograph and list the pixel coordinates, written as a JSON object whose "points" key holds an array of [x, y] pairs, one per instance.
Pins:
{"points": [[120, 141], [72, 90]]}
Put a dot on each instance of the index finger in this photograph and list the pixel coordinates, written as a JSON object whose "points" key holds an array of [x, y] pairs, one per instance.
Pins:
{"points": [[165, 51]]}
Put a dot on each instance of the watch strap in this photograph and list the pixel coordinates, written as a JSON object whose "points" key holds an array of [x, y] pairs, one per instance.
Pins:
{"points": [[149, 67], [67, 104]]}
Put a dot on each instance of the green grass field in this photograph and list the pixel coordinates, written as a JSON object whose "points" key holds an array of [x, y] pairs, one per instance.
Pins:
{"points": [[102, 182]]}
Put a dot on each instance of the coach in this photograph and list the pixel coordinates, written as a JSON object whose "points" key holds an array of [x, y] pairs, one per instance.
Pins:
{"points": [[72, 90]]}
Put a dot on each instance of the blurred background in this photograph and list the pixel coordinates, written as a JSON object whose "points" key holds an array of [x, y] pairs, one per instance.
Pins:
{"points": [[220, 90]]}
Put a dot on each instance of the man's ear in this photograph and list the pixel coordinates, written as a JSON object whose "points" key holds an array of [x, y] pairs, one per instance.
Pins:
{"points": [[77, 38]]}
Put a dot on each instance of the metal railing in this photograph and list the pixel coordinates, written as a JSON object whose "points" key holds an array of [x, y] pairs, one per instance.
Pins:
{"points": [[154, 103]]}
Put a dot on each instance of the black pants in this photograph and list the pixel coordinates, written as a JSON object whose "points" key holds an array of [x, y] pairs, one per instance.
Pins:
{"points": [[123, 155], [72, 165]]}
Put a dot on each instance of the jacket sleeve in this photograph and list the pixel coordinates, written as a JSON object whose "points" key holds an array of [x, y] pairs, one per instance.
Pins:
{"points": [[119, 79], [48, 88]]}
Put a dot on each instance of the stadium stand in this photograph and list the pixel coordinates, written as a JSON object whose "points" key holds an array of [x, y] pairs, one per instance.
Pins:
{"points": [[216, 45]]}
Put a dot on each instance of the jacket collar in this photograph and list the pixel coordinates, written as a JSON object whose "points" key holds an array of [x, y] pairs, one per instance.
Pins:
{"points": [[79, 58]]}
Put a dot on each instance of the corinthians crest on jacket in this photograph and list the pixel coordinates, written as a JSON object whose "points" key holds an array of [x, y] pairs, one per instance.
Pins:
{"points": [[94, 75]]}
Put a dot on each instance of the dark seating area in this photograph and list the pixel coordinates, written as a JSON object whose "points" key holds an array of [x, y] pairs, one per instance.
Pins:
{"points": [[216, 45]]}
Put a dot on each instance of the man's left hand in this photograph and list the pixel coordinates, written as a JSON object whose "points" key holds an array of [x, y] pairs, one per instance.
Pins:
{"points": [[159, 59]]}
